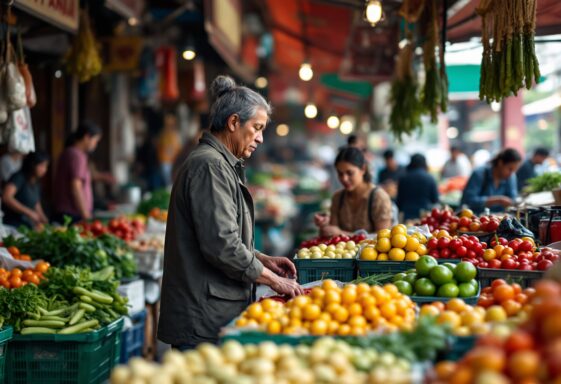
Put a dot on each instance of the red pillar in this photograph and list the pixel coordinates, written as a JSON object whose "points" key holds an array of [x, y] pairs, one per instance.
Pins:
{"points": [[512, 123]]}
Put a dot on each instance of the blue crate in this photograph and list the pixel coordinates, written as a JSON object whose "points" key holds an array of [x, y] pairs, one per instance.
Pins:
{"points": [[132, 339]]}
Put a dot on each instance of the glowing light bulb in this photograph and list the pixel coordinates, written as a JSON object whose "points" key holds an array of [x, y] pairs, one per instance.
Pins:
{"points": [[282, 130], [311, 111], [306, 72], [374, 12], [189, 54], [333, 122]]}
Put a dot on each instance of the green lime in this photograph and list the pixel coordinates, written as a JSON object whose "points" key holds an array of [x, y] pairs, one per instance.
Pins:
{"points": [[425, 264], [398, 277], [465, 272], [448, 290], [404, 287], [440, 275], [424, 287]]}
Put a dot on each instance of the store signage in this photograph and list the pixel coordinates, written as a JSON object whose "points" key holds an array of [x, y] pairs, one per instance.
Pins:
{"points": [[126, 8], [62, 13]]}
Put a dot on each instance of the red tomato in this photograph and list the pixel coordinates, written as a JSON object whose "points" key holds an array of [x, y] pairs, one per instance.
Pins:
{"points": [[495, 263], [525, 246], [445, 253], [464, 222], [432, 243], [544, 264], [508, 264]]}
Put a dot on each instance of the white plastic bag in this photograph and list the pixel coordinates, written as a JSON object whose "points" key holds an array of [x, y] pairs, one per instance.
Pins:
{"points": [[15, 88], [21, 131]]}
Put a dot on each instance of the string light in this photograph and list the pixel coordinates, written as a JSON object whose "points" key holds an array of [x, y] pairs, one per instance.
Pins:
{"points": [[311, 111], [306, 72]]}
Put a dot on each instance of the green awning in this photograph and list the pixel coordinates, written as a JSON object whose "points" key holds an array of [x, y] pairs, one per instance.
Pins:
{"points": [[463, 79], [360, 89]]}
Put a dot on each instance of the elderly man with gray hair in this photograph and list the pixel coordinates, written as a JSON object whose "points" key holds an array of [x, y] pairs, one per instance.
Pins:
{"points": [[210, 264]]}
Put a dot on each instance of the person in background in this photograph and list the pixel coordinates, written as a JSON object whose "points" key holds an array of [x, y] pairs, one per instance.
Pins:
{"points": [[357, 142], [10, 163], [210, 263], [73, 180], [528, 168], [360, 204], [169, 146], [22, 193], [457, 165], [388, 176], [494, 185], [416, 189]]}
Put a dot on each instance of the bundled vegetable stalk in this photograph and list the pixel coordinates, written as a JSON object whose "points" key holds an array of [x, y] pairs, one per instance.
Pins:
{"points": [[435, 90], [509, 59], [83, 59], [545, 182], [405, 116]]}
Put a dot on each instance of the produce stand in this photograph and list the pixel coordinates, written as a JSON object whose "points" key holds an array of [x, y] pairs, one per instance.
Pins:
{"points": [[51, 358]]}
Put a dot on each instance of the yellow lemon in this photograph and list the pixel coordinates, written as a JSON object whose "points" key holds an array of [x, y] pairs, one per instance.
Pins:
{"points": [[412, 244], [422, 250], [382, 257], [399, 229], [383, 245], [368, 253], [396, 254], [411, 256], [399, 241], [384, 234]]}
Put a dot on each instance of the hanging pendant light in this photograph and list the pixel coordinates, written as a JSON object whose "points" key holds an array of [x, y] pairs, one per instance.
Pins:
{"points": [[373, 12]]}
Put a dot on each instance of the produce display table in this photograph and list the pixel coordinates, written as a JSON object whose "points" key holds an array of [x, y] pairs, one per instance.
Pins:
{"points": [[6, 334]]}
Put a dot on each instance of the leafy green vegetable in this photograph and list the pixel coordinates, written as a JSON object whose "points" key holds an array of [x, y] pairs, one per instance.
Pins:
{"points": [[159, 199], [65, 246], [15, 304], [421, 344], [545, 182]]}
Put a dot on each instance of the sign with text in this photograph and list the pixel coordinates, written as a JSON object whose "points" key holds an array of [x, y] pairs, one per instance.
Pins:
{"points": [[62, 13]]}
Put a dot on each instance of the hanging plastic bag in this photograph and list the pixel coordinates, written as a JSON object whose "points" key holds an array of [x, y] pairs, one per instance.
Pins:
{"points": [[30, 94], [21, 131], [167, 64], [15, 88]]}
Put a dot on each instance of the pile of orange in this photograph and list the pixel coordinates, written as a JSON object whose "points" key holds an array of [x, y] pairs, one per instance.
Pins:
{"points": [[14, 251], [468, 320], [531, 354], [511, 297], [159, 214], [331, 310], [394, 245], [17, 278]]}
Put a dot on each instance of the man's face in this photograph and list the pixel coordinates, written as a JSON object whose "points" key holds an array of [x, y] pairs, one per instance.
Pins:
{"points": [[249, 136]]}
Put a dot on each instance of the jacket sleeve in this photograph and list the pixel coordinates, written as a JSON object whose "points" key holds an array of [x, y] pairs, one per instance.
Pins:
{"points": [[471, 196], [214, 214], [512, 191]]}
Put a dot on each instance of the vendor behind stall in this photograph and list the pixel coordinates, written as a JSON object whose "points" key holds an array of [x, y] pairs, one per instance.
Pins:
{"points": [[416, 189], [493, 186], [528, 168], [360, 204]]}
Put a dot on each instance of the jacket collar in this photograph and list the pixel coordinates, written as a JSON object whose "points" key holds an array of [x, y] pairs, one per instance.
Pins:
{"points": [[238, 165]]}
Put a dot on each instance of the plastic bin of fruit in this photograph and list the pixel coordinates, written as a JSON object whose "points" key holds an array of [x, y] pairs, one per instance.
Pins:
{"points": [[472, 300], [524, 278], [310, 270]]}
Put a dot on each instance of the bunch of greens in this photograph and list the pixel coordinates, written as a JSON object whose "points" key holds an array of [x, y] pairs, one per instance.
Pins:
{"points": [[545, 182], [15, 304], [421, 344], [158, 199], [80, 286], [65, 246]]}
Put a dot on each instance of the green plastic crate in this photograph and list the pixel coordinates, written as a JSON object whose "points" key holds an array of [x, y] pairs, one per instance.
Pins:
{"points": [[524, 278], [257, 337], [367, 268], [431, 299], [5, 336], [79, 358], [310, 270]]}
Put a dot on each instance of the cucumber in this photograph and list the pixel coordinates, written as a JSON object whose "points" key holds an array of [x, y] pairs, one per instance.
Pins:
{"points": [[78, 327], [44, 323], [77, 316], [36, 330]]}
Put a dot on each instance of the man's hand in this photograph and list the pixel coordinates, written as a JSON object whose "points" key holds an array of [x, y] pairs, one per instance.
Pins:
{"points": [[281, 266], [330, 230], [321, 220], [287, 287]]}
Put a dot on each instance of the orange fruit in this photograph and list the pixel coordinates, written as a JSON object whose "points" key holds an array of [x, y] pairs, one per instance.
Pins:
{"points": [[462, 375], [380, 295], [344, 330], [399, 241], [451, 318], [14, 251], [16, 272], [274, 327], [388, 310], [503, 292], [369, 254], [412, 244], [422, 250], [301, 301], [355, 309], [311, 312], [357, 321], [372, 313], [456, 305], [329, 284], [495, 313], [445, 369], [366, 299], [471, 318], [15, 281], [42, 266], [391, 290], [487, 359], [362, 288], [319, 327], [349, 295], [317, 293], [254, 311], [429, 310], [341, 314], [511, 307], [332, 296], [269, 305]]}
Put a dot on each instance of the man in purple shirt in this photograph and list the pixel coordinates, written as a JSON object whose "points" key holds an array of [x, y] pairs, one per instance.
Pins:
{"points": [[73, 180]]}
